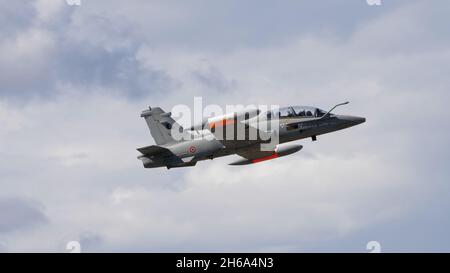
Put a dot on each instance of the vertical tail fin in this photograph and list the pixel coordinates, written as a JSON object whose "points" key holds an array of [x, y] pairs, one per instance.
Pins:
{"points": [[160, 124]]}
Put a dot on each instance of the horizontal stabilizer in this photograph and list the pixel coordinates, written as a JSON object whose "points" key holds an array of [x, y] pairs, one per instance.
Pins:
{"points": [[154, 150]]}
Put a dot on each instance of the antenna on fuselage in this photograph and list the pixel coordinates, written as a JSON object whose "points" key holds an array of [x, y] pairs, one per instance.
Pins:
{"points": [[334, 107]]}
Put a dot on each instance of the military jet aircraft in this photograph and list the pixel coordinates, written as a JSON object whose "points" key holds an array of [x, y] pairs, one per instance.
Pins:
{"points": [[208, 141]]}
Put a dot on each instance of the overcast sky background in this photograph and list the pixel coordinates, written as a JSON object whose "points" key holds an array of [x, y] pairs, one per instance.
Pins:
{"points": [[73, 80]]}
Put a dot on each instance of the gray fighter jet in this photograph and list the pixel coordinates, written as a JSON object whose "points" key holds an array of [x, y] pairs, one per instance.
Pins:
{"points": [[212, 138]]}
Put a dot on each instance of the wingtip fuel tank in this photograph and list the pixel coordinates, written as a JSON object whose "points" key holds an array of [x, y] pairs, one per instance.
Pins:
{"points": [[281, 151]]}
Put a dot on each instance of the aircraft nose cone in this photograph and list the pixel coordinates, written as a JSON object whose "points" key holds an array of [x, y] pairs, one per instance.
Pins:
{"points": [[357, 120], [352, 120]]}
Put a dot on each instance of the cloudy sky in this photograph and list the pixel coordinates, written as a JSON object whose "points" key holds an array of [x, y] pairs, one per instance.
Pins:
{"points": [[73, 80]]}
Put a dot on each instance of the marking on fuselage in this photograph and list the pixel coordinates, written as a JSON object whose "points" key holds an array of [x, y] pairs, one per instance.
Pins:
{"points": [[192, 149]]}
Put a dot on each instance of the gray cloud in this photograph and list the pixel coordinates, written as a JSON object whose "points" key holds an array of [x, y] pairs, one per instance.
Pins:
{"points": [[92, 47], [50, 51], [18, 214], [15, 16]]}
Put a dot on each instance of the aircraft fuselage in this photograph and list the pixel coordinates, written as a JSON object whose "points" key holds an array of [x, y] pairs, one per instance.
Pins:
{"points": [[206, 145]]}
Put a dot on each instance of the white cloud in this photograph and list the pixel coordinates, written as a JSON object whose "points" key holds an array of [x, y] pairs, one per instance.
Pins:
{"points": [[10, 119], [24, 60], [48, 9]]}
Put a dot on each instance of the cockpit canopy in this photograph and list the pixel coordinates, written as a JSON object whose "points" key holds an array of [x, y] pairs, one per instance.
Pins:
{"points": [[296, 111]]}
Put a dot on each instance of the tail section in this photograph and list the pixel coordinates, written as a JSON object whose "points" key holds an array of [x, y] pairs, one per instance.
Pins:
{"points": [[160, 124]]}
